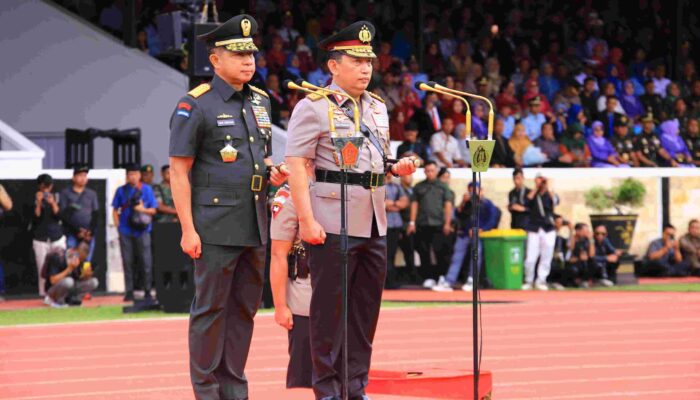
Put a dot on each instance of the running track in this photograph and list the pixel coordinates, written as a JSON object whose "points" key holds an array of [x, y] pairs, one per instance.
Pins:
{"points": [[554, 345]]}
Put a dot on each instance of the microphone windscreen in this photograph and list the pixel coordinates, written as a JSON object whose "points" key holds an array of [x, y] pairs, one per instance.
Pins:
{"points": [[287, 83], [417, 85]]}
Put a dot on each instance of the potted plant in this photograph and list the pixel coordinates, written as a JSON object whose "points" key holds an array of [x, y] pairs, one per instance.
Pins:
{"points": [[623, 197]]}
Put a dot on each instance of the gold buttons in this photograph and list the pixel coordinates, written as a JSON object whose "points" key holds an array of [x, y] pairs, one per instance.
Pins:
{"points": [[257, 197], [252, 139], [257, 167], [333, 194], [374, 164], [228, 137], [216, 200]]}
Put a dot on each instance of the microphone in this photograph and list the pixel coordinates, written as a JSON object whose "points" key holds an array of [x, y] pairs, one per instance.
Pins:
{"points": [[297, 86], [319, 89]]}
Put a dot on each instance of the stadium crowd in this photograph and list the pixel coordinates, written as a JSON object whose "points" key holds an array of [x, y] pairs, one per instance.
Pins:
{"points": [[569, 89]]}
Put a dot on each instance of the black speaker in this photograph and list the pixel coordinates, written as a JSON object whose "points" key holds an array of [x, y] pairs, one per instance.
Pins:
{"points": [[173, 270], [199, 65]]}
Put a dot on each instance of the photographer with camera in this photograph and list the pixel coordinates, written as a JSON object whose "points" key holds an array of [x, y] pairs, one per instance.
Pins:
{"points": [[68, 276], [79, 208], [541, 235], [134, 206], [47, 228], [664, 257]]}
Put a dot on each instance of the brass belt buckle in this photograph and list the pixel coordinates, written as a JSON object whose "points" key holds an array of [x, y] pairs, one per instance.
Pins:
{"points": [[256, 183]]}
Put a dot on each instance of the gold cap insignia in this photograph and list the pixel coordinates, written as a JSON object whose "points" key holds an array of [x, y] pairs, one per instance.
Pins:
{"points": [[365, 35], [245, 27]]}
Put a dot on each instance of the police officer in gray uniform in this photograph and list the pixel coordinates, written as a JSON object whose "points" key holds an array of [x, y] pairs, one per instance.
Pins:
{"points": [[220, 144], [318, 208]]}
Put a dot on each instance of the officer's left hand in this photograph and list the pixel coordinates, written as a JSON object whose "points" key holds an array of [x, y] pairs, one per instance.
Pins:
{"points": [[283, 317], [405, 166], [278, 174]]}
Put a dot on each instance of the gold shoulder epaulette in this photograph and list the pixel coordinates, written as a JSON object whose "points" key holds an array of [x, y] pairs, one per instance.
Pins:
{"points": [[376, 96], [199, 90], [314, 96], [259, 91]]}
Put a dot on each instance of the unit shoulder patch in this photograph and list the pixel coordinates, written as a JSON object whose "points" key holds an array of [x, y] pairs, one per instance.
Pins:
{"points": [[199, 90]]}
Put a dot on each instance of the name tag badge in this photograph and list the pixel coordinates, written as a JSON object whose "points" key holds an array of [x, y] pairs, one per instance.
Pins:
{"points": [[262, 118], [225, 122], [381, 120]]}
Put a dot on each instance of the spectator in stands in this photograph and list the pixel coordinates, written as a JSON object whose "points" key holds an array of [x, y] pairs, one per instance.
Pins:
{"points": [[679, 111], [660, 80], [444, 147], [147, 174], [412, 145], [428, 117], [134, 206], [389, 91], [503, 156], [479, 127], [608, 116], [589, 96], [693, 99], [430, 220], [630, 102], [279, 106], [506, 114], [551, 148], [549, 85], [676, 153], [690, 247], [623, 142], [663, 257], [603, 153], [692, 140], [47, 228], [507, 98], [164, 197], [651, 100], [647, 145], [533, 91], [461, 136], [457, 111], [276, 56], [602, 102], [517, 201], [320, 76], [489, 215], [541, 236], [673, 93], [573, 143], [396, 201], [411, 103], [524, 152], [79, 211], [68, 276], [535, 118], [5, 207], [606, 258]]}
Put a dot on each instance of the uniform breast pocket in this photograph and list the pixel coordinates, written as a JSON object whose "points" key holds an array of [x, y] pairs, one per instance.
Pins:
{"points": [[329, 192], [212, 204]]}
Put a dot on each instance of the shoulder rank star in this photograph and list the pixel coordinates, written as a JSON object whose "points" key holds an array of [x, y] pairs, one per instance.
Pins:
{"points": [[256, 99]]}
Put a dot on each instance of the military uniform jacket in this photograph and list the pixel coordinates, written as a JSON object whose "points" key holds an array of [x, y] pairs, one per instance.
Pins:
{"points": [[693, 144], [309, 137], [649, 145], [624, 147], [228, 187]]}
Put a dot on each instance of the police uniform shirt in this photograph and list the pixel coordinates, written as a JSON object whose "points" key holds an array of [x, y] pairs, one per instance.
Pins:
{"points": [[309, 138], [228, 132], [285, 227]]}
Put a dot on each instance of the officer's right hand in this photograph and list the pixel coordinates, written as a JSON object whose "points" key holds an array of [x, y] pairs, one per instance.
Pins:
{"points": [[411, 229], [283, 317], [191, 244], [312, 232]]}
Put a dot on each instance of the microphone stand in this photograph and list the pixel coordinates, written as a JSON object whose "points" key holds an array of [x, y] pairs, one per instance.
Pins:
{"points": [[480, 152]]}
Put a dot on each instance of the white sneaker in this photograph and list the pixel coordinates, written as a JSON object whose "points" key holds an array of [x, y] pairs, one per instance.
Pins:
{"points": [[51, 303], [606, 282], [47, 300], [442, 286], [558, 286], [526, 286], [468, 287], [429, 283], [541, 286]]}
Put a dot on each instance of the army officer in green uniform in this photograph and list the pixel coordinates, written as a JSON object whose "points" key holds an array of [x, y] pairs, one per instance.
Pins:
{"points": [[220, 144]]}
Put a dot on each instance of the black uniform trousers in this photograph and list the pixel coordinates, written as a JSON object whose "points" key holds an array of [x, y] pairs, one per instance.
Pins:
{"points": [[432, 237], [366, 274], [228, 281], [300, 368]]}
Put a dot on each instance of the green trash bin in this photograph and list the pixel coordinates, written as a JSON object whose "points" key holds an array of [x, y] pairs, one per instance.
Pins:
{"points": [[504, 251]]}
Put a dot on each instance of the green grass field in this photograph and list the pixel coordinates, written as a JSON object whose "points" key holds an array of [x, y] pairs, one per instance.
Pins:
{"points": [[106, 313]]}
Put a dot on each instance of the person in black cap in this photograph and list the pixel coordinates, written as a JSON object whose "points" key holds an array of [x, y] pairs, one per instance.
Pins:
{"points": [[79, 208], [46, 227], [147, 174], [350, 57], [220, 134], [133, 208]]}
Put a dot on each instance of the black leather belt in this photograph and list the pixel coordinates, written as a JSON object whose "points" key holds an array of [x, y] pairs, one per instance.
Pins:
{"points": [[368, 180]]}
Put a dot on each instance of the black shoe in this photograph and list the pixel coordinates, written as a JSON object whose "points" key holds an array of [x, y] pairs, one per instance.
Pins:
{"points": [[129, 296], [72, 301]]}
